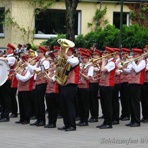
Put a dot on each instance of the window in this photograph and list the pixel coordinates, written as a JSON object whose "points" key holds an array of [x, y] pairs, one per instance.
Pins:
{"points": [[52, 22], [2, 10], [116, 19]]}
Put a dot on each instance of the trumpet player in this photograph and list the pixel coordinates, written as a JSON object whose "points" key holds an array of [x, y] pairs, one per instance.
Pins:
{"points": [[40, 86], [124, 90], [136, 70], [83, 88], [144, 93], [6, 87], [106, 87], [93, 87], [25, 91]]}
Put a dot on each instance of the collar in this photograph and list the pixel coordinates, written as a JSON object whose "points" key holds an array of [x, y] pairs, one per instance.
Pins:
{"points": [[42, 59], [10, 55], [72, 56]]}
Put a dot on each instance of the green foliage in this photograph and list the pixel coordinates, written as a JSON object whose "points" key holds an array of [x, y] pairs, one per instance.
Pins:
{"points": [[98, 19], [34, 47], [133, 36]]}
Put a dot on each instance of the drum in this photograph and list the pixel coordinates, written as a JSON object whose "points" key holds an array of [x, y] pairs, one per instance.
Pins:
{"points": [[4, 72]]}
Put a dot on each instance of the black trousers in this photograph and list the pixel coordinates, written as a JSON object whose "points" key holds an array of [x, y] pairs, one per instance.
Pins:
{"points": [[67, 96], [40, 93], [106, 99], [83, 102], [115, 99], [24, 99], [135, 94], [93, 100], [144, 101], [6, 99], [52, 107], [14, 106], [125, 101]]}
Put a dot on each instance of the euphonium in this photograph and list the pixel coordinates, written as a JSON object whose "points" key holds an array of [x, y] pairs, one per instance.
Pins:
{"points": [[62, 66]]}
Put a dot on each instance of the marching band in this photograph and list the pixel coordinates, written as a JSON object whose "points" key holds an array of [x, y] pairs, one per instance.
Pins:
{"points": [[74, 81]]}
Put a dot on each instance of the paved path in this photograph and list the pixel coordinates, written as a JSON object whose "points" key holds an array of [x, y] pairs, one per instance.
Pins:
{"points": [[25, 136]]}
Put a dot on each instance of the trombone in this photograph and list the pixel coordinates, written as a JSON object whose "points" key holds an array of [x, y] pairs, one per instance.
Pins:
{"points": [[134, 59], [100, 58]]}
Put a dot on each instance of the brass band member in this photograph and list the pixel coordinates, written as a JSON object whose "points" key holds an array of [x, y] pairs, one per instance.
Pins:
{"points": [[106, 87], [67, 93], [124, 91], [41, 84], [52, 93], [25, 90], [136, 80], [93, 88], [144, 93], [83, 88], [6, 87]]}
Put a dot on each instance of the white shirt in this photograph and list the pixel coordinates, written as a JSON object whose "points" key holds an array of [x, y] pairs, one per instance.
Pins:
{"points": [[73, 61], [135, 67], [110, 65], [25, 78], [45, 63], [11, 59]]}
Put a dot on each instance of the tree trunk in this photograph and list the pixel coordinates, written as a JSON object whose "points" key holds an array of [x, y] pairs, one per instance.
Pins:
{"points": [[71, 6]]}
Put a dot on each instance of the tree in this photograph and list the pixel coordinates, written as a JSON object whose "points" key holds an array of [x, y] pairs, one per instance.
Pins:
{"points": [[71, 6]]}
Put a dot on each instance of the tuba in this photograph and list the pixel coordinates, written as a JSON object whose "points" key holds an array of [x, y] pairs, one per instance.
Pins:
{"points": [[63, 67]]}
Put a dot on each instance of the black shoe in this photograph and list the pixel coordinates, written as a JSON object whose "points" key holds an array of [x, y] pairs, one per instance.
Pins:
{"points": [[83, 124], [106, 126], [4, 120], [125, 119], [100, 125], [135, 125], [50, 126], [115, 122], [25, 122], [102, 117], [129, 124], [62, 128], [142, 120], [91, 120], [40, 123], [18, 122], [70, 129], [77, 118], [145, 121], [13, 115], [33, 118], [59, 117], [35, 123], [80, 122]]}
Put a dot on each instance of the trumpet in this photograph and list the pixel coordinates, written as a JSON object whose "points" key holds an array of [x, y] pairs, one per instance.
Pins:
{"points": [[134, 59], [100, 58]]}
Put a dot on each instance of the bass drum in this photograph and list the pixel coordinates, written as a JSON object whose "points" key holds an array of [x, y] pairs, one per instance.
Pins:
{"points": [[4, 72]]}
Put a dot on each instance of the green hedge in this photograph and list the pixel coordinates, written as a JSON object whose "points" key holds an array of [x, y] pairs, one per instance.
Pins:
{"points": [[133, 36]]}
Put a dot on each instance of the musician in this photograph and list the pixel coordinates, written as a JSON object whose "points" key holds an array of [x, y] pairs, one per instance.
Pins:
{"points": [[67, 92], [144, 93], [25, 90], [40, 86], [86, 73], [106, 87], [124, 90], [6, 87], [93, 87], [136, 79], [52, 92], [116, 90]]}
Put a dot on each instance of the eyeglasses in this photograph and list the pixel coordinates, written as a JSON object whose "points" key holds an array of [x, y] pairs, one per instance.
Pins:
{"points": [[38, 51]]}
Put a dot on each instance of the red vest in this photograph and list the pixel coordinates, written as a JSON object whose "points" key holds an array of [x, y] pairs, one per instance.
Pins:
{"points": [[83, 83], [73, 76], [25, 86], [14, 82], [52, 87], [95, 78], [136, 78], [107, 78], [40, 77]]}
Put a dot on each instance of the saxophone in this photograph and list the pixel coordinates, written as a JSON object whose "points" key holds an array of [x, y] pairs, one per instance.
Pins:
{"points": [[63, 67]]}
